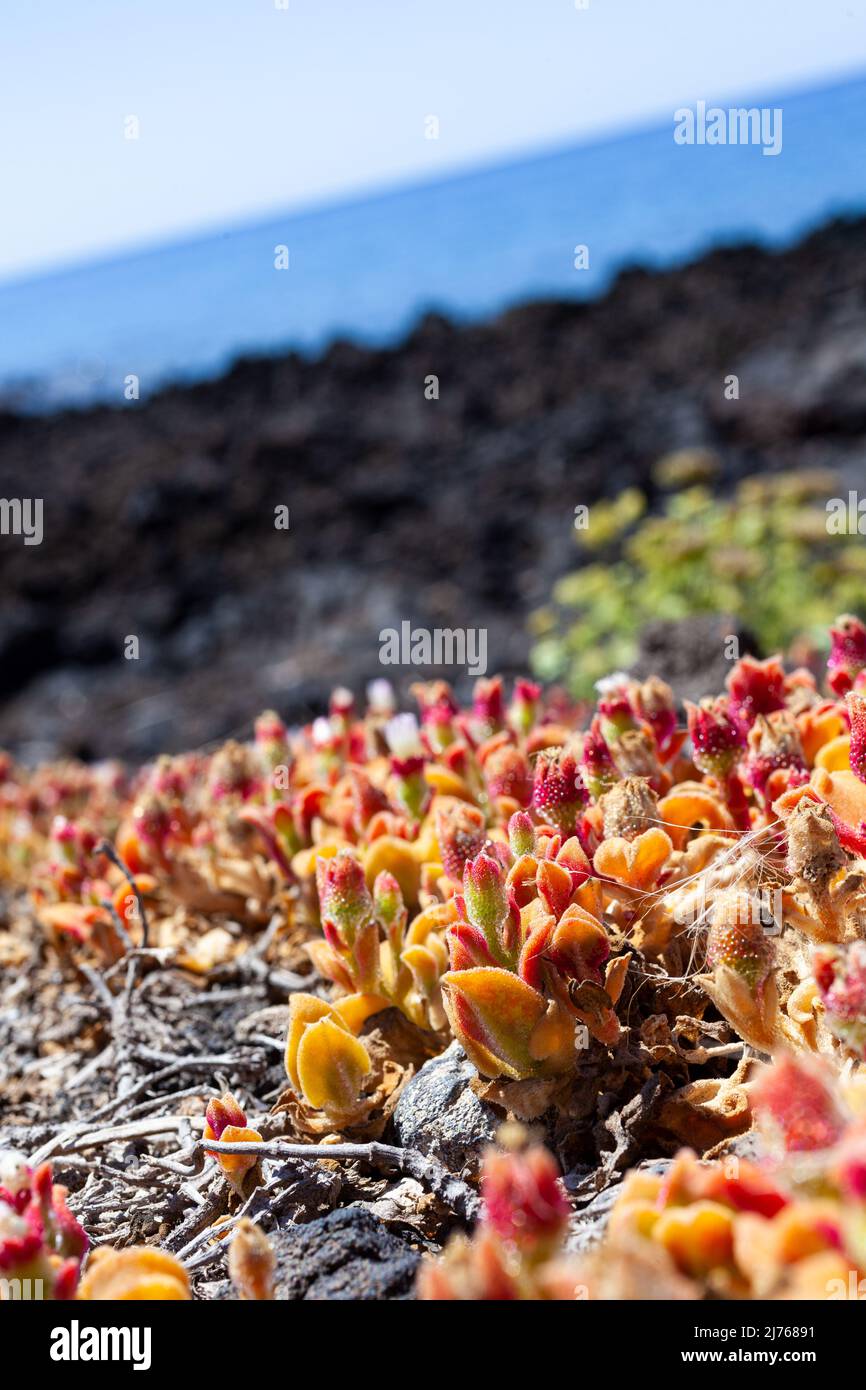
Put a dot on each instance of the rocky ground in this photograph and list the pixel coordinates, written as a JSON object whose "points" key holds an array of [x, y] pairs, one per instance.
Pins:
{"points": [[159, 518]]}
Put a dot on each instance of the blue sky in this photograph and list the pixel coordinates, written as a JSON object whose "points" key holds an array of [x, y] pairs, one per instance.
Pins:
{"points": [[246, 108]]}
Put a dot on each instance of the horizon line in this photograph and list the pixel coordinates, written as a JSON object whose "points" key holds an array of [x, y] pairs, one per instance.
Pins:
{"points": [[360, 197]]}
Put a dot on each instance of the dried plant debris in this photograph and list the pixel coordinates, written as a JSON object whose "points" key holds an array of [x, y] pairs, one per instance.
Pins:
{"points": [[263, 1011]]}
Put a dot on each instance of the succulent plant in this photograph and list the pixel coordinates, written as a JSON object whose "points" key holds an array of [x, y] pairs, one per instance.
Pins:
{"points": [[41, 1243], [226, 1122]]}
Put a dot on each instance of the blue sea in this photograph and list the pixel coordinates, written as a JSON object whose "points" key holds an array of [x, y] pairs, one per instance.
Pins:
{"points": [[467, 246]]}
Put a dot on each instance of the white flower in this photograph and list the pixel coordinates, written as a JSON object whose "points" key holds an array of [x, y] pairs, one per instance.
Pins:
{"points": [[14, 1172], [380, 696], [322, 732], [610, 685], [402, 735]]}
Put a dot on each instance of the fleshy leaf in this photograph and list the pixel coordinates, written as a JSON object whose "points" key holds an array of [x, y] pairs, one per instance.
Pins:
{"points": [[331, 1066]]}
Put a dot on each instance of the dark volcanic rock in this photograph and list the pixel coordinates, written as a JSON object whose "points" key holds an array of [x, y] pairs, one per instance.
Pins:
{"points": [[693, 655], [439, 1113], [454, 513], [347, 1254]]}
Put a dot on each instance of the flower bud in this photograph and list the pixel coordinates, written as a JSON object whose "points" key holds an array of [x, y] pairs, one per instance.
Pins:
{"points": [[485, 894], [226, 1121], [755, 687], [717, 739], [840, 974], [847, 653], [737, 940], [521, 835], [344, 898], [597, 764], [523, 710], [252, 1262], [793, 1100], [856, 704], [460, 832], [558, 794], [524, 1200]]}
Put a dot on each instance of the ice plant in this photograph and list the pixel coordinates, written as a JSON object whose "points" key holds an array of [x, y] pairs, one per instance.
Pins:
{"points": [[325, 1062], [523, 978], [368, 949], [774, 760], [789, 1226], [598, 768], [225, 1121], [523, 709], [795, 1105], [517, 1250], [41, 1243]]}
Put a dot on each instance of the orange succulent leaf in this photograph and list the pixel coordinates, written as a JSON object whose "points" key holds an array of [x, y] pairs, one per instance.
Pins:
{"points": [[73, 919], [571, 856], [835, 756], [447, 783], [365, 958], [329, 964], [552, 1041], [331, 1066], [535, 944], [397, 857], [547, 736], [355, 1009], [844, 793], [236, 1166], [636, 863], [579, 945], [424, 966], [699, 1237], [555, 886], [494, 1015], [131, 850], [304, 1010], [521, 879], [124, 900], [817, 727], [434, 918], [467, 947], [140, 1273], [614, 976], [691, 804]]}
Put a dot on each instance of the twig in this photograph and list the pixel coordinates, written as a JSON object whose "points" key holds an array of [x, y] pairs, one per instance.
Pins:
{"points": [[453, 1191], [135, 1129], [104, 847]]}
